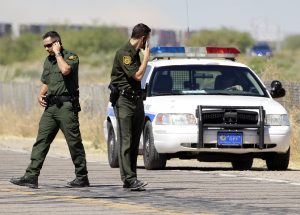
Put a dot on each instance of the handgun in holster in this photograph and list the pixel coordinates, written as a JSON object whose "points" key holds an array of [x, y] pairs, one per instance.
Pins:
{"points": [[76, 104], [114, 94]]}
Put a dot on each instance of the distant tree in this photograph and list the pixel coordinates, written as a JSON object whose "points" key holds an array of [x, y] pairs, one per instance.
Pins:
{"points": [[93, 40], [19, 49], [292, 42], [221, 37], [85, 42]]}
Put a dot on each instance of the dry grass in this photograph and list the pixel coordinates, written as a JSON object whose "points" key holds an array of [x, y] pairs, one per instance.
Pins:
{"points": [[19, 124], [295, 138], [271, 71], [31, 72]]}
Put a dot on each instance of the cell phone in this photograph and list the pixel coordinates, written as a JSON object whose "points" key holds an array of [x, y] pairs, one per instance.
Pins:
{"points": [[146, 44]]}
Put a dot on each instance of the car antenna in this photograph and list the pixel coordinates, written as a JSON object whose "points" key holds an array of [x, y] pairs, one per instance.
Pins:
{"points": [[187, 17]]}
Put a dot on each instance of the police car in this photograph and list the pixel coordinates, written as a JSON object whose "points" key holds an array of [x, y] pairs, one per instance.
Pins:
{"points": [[202, 104]]}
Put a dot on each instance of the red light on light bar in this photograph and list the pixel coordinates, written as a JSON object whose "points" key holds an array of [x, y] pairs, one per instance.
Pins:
{"points": [[221, 50]]}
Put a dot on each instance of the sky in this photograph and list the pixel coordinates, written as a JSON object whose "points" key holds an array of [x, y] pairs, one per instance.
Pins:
{"points": [[273, 19]]}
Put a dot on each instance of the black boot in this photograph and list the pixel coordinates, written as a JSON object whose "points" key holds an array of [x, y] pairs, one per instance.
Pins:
{"points": [[79, 182], [137, 185], [28, 181]]}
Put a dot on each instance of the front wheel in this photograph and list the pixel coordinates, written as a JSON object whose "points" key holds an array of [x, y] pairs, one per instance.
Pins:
{"points": [[278, 161], [112, 147], [152, 159]]}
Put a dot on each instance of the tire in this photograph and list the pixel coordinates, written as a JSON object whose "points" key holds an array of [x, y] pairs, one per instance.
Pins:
{"points": [[278, 161], [112, 147], [152, 159], [242, 164]]}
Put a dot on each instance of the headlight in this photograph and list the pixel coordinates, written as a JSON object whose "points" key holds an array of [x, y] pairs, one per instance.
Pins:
{"points": [[175, 119], [277, 119]]}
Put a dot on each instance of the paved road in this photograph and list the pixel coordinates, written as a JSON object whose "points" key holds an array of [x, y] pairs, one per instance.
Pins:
{"points": [[177, 190]]}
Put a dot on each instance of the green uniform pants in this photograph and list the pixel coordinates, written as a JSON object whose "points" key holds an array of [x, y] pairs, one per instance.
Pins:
{"points": [[52, 120], [130, 117]]}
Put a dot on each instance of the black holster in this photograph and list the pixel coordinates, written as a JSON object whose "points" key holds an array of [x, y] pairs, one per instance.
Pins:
{"points": [[76, 104], [114, 94], [144, 92]]}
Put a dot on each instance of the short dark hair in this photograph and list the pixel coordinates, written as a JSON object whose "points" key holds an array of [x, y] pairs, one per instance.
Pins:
{"points": [[53, 35], [140, 30]]}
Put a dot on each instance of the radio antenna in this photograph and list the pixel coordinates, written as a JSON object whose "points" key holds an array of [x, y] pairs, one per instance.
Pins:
{"points": [[187, 17]]}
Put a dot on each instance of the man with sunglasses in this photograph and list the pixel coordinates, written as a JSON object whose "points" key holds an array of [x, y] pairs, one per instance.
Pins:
{"points": [[59, 94], [127, 73]]}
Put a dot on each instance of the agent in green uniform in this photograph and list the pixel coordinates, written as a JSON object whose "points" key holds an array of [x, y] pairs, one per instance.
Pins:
{"points": [[59, 94], [126, 76]]}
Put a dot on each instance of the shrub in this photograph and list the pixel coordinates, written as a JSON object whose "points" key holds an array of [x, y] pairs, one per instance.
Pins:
{"points": [[221, 37], [292, 42], [85, 42]]}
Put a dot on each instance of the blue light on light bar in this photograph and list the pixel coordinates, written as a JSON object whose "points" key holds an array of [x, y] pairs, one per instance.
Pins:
{"points": [[162, 52], [167, 49]]}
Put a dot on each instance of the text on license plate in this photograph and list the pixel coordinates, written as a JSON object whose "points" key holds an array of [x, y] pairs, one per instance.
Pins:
{"points": [[230, 138]]}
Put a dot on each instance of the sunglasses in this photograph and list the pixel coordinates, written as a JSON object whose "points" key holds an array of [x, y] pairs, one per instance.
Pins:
{"points": [[50, 44]]}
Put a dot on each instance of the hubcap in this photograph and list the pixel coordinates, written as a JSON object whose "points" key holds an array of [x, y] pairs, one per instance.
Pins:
{"points": [[111, 145], [147, 144]]}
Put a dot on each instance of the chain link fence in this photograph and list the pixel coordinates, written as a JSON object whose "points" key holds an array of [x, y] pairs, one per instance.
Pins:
{"points": [[94, 98]]}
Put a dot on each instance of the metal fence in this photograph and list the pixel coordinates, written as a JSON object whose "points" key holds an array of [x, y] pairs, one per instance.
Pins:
{"points": [[23, 97], [94, 98]]}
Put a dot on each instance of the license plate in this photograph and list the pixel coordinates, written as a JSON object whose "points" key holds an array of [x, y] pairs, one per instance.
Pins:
{"points": [[230, 138]]}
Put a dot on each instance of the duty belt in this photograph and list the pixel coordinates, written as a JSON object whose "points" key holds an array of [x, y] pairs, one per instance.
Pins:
{"points": [[131, 94], [58, 100]]}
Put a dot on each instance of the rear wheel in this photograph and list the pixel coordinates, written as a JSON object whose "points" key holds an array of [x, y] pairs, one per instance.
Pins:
{"points": [[112, 147], [152, 159], [278, 161], [242, 164]]}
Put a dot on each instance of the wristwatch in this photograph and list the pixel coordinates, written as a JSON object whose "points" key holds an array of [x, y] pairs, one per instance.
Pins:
{"points": [[58, 54]]}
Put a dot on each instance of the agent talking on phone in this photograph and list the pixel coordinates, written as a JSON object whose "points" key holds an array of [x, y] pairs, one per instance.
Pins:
{"points": [[59, 94], [127, 73]]}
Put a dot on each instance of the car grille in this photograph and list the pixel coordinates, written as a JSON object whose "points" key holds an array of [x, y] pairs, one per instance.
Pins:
{"points": [[230, 117]]}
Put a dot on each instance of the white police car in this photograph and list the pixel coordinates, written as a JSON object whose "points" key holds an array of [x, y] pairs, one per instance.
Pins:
{"points": [[203, 105]]}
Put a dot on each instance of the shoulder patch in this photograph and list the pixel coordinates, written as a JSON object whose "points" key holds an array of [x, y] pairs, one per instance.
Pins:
{"points": [[127, 60], [72, 57]]}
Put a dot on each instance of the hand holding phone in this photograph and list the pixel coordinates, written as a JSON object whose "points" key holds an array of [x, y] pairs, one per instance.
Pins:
{"points": [[56, 47], [146, 51]]}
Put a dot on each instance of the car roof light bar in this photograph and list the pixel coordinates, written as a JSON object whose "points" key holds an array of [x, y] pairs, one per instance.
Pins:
{"points": [[222, 52], [194, 52], [168, 51]]}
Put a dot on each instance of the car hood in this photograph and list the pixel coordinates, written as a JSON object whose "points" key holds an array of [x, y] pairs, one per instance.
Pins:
{"points": [[189, 103]]}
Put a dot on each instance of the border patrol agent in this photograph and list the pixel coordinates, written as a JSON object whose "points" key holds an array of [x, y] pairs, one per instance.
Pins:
{"points": [[59, 94], [126, 76]]}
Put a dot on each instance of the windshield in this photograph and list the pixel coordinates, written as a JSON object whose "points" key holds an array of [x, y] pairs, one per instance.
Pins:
{"points": [[204, 79]]}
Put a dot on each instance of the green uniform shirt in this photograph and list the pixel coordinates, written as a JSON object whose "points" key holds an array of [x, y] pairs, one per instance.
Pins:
{"points": [[126, 63], [58, 84]]}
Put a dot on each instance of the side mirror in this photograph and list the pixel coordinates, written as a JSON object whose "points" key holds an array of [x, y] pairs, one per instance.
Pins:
{"points": [[277, 90]]}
